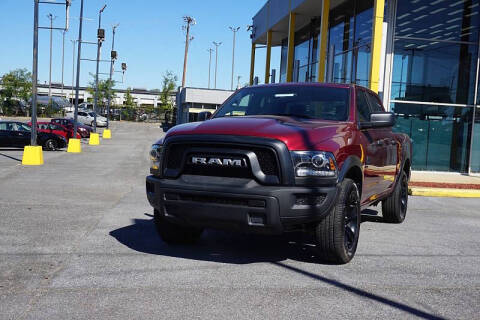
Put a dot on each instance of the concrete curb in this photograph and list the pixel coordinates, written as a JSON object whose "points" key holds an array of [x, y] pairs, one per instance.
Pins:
{"points": [[444, 192]]}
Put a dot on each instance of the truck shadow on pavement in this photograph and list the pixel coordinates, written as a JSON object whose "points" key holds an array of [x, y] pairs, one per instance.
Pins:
{"points": [[234, 248], [225, 247]]}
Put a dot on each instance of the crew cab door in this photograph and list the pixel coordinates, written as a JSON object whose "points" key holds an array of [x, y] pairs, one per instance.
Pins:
{"points": [[391, 155], [374, 148]]}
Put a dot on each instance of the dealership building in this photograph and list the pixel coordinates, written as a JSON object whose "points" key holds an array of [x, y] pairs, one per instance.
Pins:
{"points": [[422, 57]]}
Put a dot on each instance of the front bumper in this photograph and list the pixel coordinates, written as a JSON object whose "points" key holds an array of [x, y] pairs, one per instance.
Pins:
{"points": [[238, 204]]}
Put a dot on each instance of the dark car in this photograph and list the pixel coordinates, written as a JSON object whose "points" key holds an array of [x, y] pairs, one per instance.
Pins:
{"points": [[18, 134], [83, 130], [280, 158]]}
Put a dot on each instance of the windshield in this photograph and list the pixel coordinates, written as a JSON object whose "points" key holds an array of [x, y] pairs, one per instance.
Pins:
{"points": [[308, 102]]}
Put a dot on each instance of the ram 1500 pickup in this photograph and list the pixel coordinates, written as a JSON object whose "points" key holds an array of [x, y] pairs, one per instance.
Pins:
{"points": [[279, 158]]}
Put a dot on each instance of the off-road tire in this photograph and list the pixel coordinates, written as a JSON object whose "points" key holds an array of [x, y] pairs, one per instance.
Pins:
{"points": [[173, 233], [394, 208], [337, 234]]}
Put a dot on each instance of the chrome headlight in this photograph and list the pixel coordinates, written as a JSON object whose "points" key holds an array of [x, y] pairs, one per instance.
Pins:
{"points": [[314, 164], [156, 157]]}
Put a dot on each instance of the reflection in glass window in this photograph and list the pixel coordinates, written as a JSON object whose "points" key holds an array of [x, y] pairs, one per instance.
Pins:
{"points": [[445, 20], [475, 164], [440, 135], [434, 71], [349, 41]]}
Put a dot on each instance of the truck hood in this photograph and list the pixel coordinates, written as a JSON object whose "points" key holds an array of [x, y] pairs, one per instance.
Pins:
{"points": [[297, 134]]}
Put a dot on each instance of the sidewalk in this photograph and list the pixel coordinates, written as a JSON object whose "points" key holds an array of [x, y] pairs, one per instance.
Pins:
{"points": [[444, 184]]}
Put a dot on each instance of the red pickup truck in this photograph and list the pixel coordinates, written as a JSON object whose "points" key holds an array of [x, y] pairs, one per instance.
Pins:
{"points": [[279, 158]]}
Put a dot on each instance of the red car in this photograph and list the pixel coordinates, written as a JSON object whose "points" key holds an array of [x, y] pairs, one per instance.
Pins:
{"points": [[55, 128], [82, 129], [279, 158]]}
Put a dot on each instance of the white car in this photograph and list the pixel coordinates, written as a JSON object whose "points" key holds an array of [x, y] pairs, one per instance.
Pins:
{"points": [[88, 118]]}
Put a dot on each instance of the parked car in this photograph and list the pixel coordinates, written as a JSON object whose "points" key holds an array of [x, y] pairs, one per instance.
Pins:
{"points": [[88, 118], [18, 134], [82, 129], [279, 158], [55, 128]]}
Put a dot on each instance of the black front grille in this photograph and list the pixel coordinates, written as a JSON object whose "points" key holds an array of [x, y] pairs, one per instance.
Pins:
{"points": [[245, 202], [176, 152]]}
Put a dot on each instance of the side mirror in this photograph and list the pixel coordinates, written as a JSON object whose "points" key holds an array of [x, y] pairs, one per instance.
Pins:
{"points": [[379, 120], [204, 115], [383, 119]]}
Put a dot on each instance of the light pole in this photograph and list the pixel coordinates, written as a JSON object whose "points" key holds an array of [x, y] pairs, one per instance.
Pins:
{"points": [[73, 67], [63, 56], [210, 50], [113, 57], [79, 55], [234, 30], [33, 136], [51, 17], [189, 21], [101, 37], [216, 44]]}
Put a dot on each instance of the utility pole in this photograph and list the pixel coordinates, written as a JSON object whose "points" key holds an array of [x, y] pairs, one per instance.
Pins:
{"points": [[113, 57], [33, 136], [63, 56], [73, 68], [234, 30], [79, 56], [101, 37], [216, 44], [51, 17], [189, 21], [210, 50]]}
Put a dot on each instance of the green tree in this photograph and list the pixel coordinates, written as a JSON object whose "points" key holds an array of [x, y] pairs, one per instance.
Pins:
{"points": [[128, 98], [17, 85], [128, 109], [169, 83], [105, 90]]}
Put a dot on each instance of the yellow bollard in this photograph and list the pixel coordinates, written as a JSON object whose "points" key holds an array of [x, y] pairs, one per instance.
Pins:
{"points": [[74, 146], [32, 156], [94, 139], [107, 134]]}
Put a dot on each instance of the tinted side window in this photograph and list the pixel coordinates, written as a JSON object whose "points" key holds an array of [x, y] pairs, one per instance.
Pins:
{"points": [[3, 126], [363, 110], [374, 103]]}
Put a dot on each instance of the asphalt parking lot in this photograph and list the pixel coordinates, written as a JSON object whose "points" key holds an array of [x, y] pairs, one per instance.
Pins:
{"points": [[77, 241]]}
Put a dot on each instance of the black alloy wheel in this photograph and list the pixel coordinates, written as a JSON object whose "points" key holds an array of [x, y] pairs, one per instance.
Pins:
{"points": [[403, 197], [337, 233], [352, 222]]}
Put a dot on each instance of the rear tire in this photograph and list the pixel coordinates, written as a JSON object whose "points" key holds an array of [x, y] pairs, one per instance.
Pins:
{"points": [[394, 208], [337, 234], [50, 144], [173, 233]]}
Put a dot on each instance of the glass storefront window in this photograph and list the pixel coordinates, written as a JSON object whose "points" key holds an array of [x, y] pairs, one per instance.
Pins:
{"points": [[433, 71], [350, 35], [440, 135], [475, 164], [440, 19]]}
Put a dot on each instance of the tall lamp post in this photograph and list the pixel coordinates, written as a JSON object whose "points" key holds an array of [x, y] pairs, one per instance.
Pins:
{"points": [[79, 55], [190, 21], [210, 50], [51, 18], [234, 30], [113, 57], [101, 37], [216, 44]]}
